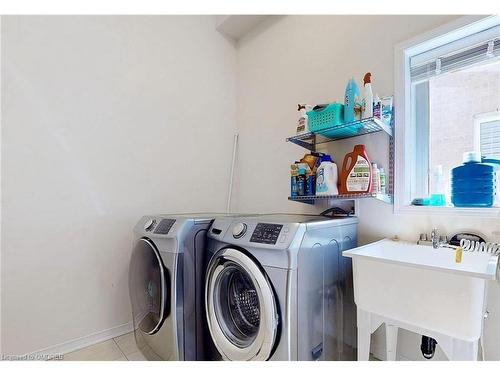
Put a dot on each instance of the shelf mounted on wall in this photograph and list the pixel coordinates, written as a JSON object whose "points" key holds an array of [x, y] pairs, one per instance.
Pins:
{"points": [[312, 199], [370, 125]]}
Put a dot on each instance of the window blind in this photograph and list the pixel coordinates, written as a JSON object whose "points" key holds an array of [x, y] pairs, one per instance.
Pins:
{"points": [[490, 139], [474, 49]]}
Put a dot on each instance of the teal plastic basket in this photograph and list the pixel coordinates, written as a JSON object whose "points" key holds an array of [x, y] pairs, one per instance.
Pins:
{"points": [[326, 118]]}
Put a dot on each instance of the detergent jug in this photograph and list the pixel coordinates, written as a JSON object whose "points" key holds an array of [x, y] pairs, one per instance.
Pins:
{"points": [[327, 177], [356, 174]]}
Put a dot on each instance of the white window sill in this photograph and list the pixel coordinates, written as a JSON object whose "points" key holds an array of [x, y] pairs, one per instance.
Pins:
{"points": [[487, 212]]}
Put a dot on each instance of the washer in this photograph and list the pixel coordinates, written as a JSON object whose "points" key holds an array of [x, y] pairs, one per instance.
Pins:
{"points": [[166, 280], [278, 288]]}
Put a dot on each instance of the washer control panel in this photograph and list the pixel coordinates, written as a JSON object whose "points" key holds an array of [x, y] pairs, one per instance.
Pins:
{"points": [[149, 225], [266, 233], [239, 230], [164, 226]]}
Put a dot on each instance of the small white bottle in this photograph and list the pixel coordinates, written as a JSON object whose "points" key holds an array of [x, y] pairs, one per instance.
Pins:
{"points": [[375, 179], [327, 177], [302, 124], [377, 107], [383, 181], [367, 109], [438, 197]]}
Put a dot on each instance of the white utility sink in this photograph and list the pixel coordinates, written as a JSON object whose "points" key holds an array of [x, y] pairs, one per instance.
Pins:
{"points": [[421, 289]]}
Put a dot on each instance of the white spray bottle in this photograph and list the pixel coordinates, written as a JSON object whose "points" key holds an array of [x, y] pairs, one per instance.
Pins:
{"points": [[367, 110]]}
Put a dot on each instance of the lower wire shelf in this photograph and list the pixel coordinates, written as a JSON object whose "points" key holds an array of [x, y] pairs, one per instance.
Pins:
{"points": [[311, 199]]}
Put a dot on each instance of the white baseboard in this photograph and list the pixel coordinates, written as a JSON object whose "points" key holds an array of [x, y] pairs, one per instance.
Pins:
{"points": [[82, 342]]}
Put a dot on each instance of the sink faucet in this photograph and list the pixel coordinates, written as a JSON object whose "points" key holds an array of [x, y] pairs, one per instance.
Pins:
{"points": [[437, 241]]}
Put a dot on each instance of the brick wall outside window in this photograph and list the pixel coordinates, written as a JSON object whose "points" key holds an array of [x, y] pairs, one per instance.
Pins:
{"points": [[454, 100]]}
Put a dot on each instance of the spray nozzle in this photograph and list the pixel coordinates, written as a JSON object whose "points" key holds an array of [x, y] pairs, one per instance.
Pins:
{"points": [[367, 78]]}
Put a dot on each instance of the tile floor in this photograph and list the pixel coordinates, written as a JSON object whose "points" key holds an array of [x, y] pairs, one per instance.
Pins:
{"points": [[121, 348]]}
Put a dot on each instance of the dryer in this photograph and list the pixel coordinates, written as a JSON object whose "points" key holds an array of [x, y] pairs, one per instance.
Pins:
{"points": [[166, 284], [278, 288]]}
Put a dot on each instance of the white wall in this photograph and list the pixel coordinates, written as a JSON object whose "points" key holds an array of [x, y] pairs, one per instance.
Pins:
{"points": [[104, 119], [298, 59], [0, 191]]}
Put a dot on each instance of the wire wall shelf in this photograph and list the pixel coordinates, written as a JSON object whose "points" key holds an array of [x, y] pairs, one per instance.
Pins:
{"points": [[312, 199], [370, 125]]}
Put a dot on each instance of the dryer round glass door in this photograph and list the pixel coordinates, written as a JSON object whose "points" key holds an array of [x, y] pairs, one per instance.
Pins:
{"points": [[148, 285], [241, 307]]}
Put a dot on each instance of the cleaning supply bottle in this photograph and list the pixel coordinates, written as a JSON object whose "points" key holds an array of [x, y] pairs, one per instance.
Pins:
{"points": [[302, 126], [351, 100], [301, 180], [310, 182], [294, 173], [438, 189], [375, 179], [383, 180], [367, 101], [356, 174], [327, 177], [377, 107]]}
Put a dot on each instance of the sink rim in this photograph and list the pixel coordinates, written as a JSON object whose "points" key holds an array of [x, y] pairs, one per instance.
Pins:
{"points": [[489, 273]]}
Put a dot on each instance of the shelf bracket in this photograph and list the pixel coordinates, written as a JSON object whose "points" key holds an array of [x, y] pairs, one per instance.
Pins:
{"points": [[310, 146]]}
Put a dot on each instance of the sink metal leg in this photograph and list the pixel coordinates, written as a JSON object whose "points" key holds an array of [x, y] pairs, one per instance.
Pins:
{"points": [[391, 341], [364, 335]]}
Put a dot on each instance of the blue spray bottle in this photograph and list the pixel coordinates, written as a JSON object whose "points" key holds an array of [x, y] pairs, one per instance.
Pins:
{"points": [[351, 99]]}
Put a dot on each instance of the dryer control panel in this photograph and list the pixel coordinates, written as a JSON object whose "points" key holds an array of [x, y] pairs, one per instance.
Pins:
{"points": [[164, 226], [266, 233]]}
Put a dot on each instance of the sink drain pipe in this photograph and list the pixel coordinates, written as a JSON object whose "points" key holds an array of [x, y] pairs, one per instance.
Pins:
{"points": [[428, 347]]}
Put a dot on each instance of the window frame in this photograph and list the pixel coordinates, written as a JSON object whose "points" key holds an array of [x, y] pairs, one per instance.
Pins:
{"points": [[480, 119], [405, 131]]}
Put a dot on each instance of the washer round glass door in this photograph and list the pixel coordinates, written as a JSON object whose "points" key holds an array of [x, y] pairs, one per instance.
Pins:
{"points": [[148, 281], [241, 307]]}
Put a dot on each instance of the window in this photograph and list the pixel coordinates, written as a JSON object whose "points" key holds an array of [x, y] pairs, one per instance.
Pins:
{"points": [[450, 84], [487, 134]]}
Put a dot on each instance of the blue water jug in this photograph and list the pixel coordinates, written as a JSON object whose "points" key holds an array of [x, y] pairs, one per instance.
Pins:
{"points": [[473, 184]]}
